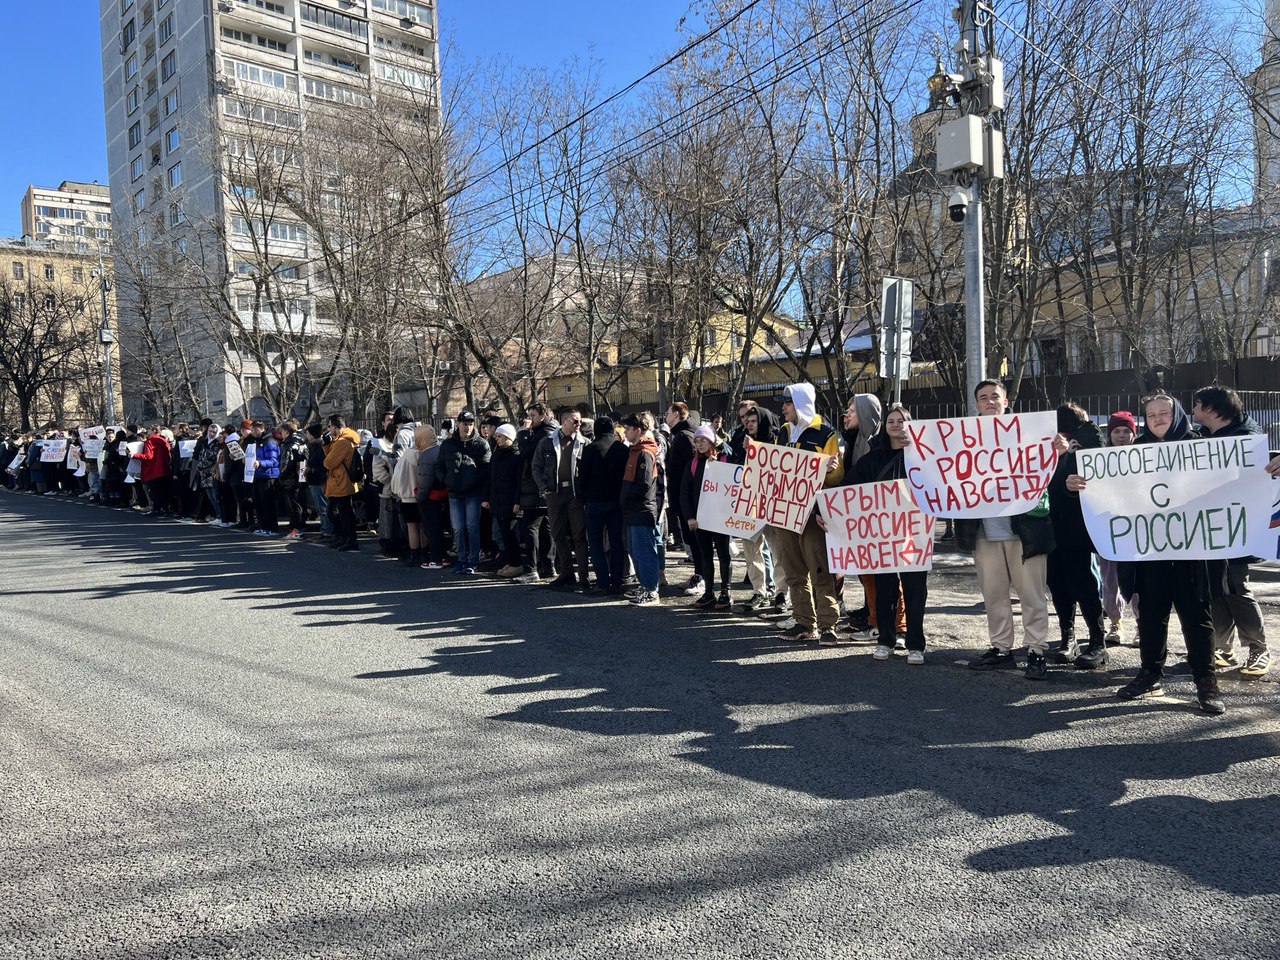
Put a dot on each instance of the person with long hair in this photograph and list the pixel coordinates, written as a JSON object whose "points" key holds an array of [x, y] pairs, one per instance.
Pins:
{"points": [[709, 545]]}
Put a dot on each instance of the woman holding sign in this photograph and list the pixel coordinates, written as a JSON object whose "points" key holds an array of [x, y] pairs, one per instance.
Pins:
{"points": [[1186, 587], [708, 545], [884, 461]]}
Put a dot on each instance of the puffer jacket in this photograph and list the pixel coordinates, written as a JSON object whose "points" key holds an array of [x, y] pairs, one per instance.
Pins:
{"points": [[463, 466], [427, 482], [292, 452], [1069, 530], [268, 459], [337, 457]]}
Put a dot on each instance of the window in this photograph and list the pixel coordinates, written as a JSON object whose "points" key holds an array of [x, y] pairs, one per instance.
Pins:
{"points": [[135, 168], [166, 28], [288, 232], [334, 92], [79, 302], [42, 227], [269, 6], [77, 274], [240, 36], [48, 271], [334, 21], [131, 102], [50, 301], [404, 8], [135, 135], [262, 76], [19, 301], [262, 113], [404, 76], [128, 35], [169, 65], [175, 175], [170, 102], [17, 270], [139, 201], [102, 233], [399, 46], [131, 68], [171, 141], [176, 216]]}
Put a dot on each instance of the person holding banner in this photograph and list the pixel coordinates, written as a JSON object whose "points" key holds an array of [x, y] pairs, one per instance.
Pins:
{"points": [[814, 603], [155, 457], [1010, 553], [893, 593], [1074, 578], [1187, 587], [765, 577], [1220, 413], [641, 499], [1122, 430], [710, 545]]}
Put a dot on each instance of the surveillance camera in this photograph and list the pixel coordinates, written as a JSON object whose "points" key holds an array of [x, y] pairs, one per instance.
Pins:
{"points": [[957, 204]]}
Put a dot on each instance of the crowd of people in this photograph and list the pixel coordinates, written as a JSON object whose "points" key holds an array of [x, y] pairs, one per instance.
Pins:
{"points": [[605, 506]]}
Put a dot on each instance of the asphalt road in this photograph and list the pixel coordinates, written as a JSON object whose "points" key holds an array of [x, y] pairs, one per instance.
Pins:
{"points": [[215, 746]]}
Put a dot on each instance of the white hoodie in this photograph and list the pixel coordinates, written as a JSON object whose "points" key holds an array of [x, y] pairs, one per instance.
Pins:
{"points": [[804, 400]]}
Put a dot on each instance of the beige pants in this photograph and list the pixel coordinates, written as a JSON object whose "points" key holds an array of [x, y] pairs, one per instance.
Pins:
{"points": [[753, 556], [813, 588], [1000, 566]]}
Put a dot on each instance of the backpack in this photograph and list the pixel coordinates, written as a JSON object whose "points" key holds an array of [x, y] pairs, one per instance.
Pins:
{"points": [[355, 469]]}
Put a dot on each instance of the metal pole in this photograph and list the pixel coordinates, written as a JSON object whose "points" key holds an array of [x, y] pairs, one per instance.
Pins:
{"points": [[975, 330], [106, 337]]}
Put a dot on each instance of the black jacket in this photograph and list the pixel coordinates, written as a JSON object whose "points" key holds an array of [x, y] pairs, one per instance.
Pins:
{"points": [[600, 470], [641, 496], [463, 466], [316, 472], [680, 454], [880, 462], [292, 452], [506, 470], [691, 488], [532, 498], [1069, 531]]}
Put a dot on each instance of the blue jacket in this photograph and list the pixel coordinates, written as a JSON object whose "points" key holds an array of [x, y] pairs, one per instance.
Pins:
{"points": [[268, 459]]}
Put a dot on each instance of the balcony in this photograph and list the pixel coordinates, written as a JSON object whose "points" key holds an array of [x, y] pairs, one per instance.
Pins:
{"points": [[249, 14]]}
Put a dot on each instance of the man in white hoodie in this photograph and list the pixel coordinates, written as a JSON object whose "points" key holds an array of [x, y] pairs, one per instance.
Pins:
{"points": [[814, 603]]}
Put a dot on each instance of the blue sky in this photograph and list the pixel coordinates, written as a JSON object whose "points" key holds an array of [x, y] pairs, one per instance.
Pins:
{"points": [[53, 110]]}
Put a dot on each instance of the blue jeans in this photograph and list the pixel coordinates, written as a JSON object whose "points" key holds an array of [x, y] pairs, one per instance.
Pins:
{"points": [[643, 544], [464, 512], [609, 564], [321, 504]]}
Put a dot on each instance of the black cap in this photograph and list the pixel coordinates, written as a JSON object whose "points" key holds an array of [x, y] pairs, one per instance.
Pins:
{"points": [[466, 415], [492, 421]]}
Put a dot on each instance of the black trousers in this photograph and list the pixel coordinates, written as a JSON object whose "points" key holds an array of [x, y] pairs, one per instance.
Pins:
{"points": [[433, 514], [265, 504], [915, 596], [344, 519], [244, 502], [294, 497], [1166, 586], [512, 553], [158, 494], [1074, 581], [710, 546], [535, 531]]}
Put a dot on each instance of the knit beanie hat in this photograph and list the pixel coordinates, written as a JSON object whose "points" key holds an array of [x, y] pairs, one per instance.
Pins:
{"points": [[1122, 418], [506, 430]]}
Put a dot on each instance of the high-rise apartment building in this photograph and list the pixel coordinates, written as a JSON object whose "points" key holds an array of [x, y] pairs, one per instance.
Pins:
{"points": [[190, 88], [76, 216]]}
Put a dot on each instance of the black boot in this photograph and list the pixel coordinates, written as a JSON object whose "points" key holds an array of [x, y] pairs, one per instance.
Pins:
{"points": [[1094, 656], [1068, 650]]}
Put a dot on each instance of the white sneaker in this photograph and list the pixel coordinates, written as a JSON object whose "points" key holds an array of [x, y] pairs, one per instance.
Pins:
{"points": [[1114, 636], [530, 577], [899, 645], [787, 624], [693, 587], [293, 535], [870, 635], [882, 653], [647, 599], [915, 658]]}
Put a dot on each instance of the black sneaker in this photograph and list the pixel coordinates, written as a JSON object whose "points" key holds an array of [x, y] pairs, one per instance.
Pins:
{"points": [[1094, 657], [1209, 696], [1037, 665], [706, 601], [799, 634], [829, 638], [994, 659], [1146, 685], [723, 602], [755, 603]]}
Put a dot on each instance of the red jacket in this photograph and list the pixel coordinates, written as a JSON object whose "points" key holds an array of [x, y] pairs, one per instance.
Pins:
{"points": [[155, 458]]}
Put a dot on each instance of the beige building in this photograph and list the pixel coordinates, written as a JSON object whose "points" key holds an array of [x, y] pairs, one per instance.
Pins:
{"points": [[52, 338], [75, 215]]}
